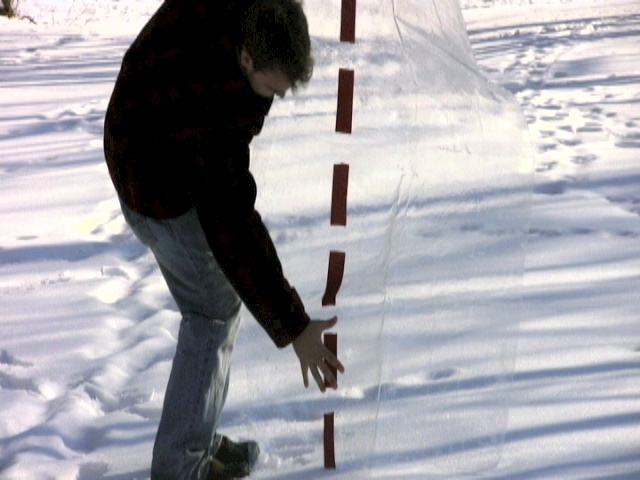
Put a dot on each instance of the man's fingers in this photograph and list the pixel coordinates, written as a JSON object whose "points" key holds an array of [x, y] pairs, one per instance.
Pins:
{"points": [[330, 323], [305, 375], [321, 373], [329, 377], [332, 360], [318, 378], [315, 356]]}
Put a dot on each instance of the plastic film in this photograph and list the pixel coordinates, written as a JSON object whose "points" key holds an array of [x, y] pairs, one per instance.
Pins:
{"points": [[438, 197]]}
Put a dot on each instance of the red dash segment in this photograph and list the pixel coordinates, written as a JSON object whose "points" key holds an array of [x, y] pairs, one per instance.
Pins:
{"points": [[344, 116], [348, 21], [335, 275], [331, 343], [329, 444], [339, 194]]}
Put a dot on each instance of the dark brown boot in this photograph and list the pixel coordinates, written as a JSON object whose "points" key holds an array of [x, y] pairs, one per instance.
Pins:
{"points": [[218, 471], [236, 459]]}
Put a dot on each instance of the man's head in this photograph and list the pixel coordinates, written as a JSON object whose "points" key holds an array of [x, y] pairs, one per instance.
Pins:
{"points": [[276, 49]]}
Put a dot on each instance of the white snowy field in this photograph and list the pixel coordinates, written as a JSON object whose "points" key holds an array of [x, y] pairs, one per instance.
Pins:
{"points": [[546, 388]]}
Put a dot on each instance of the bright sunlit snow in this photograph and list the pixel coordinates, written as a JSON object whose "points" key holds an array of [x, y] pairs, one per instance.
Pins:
{"points": [[449, 374]]}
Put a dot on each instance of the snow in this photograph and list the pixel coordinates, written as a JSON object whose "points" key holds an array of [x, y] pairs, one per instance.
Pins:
{"points": [[474, 381]]}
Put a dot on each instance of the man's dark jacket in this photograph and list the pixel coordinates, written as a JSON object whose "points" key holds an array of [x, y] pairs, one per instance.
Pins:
{"points": [[177, 134]]}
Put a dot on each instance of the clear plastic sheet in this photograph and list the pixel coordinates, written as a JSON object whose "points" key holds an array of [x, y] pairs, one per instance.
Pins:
{"points": [[438, 196]]}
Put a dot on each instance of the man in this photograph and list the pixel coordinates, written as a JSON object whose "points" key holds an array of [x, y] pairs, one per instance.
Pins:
{"points": [[193, 90]]}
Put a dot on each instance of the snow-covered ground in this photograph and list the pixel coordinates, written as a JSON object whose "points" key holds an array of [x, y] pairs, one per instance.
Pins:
{"points": [[574, 68], [87, 327]]}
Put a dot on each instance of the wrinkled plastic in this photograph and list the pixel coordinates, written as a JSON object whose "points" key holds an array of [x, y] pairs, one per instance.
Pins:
{"points": [[438, 199]]}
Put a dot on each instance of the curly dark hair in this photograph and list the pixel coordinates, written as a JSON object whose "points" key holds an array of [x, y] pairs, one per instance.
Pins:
{"points": [[276, 35]]}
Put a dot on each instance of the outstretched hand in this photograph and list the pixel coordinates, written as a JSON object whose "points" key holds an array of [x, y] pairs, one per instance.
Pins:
{"points": [[314, 356]]}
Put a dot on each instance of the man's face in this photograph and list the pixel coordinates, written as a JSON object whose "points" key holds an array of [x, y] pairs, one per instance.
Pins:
{"points": [[265, 83], [268, 83]]}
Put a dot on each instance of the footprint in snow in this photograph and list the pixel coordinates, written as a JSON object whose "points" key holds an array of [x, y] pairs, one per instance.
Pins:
{"points": [[115, 272], [442, 374], [117, 285], [551, 188], [9, 381], [584, 159], [629, 141], [7, 358], [546, 166], [92, 470]]}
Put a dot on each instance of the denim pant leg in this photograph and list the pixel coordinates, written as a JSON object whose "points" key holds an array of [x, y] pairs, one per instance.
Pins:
{"points": [[199, 377]]}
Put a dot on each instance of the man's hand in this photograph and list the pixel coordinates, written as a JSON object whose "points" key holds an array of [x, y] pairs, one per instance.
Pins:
{"points": [[314, 356]]}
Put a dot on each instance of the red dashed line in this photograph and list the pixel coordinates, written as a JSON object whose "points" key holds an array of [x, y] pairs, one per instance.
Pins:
{"points": [[339, 195], [331, 342], [329, 449], [344, 124], [344, 115], [348, 21]]}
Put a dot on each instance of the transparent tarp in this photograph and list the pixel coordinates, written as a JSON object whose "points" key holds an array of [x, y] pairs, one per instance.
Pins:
{"points": [[438, 195]]}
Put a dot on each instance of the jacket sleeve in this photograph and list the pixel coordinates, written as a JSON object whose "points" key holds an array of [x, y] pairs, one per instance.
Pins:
{"points": [[224, 195]]}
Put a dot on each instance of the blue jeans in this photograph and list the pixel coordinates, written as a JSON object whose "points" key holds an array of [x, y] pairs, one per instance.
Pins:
{"points": [[199, 377]]}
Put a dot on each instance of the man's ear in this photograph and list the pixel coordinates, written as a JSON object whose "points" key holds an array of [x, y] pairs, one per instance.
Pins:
{"points": [[246, 62]]}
